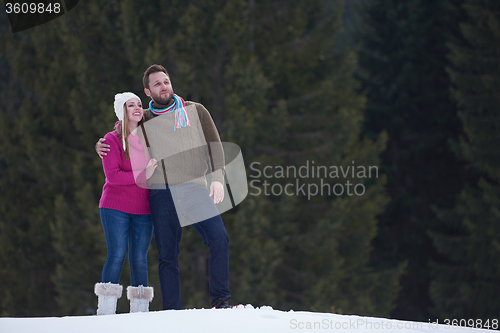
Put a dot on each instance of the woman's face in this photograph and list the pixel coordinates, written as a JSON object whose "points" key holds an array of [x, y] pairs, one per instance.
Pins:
{"points": [[134, 110]]}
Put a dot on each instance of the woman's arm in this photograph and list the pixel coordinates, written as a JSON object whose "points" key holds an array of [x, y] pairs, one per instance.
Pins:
{"points": [[112, 164]]}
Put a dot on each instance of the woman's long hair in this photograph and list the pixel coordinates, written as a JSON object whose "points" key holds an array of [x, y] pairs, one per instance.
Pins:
{"points": [[118, 129]]}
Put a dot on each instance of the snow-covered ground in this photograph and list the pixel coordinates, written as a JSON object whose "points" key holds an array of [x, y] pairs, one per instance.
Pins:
{"points": [[236, 320]]}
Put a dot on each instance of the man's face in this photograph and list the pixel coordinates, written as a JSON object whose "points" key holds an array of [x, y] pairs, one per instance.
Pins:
{"points": [[160, 88]]}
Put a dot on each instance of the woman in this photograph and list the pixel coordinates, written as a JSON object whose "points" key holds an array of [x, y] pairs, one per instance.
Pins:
{"points": [[124, 210]]}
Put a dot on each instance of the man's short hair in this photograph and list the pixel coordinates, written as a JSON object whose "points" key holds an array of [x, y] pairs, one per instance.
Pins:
{"points": [[152, 69]]}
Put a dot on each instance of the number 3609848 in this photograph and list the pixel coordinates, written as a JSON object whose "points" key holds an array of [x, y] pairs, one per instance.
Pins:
{"points": [[32, 8]]}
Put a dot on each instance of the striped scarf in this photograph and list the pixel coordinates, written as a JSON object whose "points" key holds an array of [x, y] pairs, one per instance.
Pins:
{"points": [[179, 107]]}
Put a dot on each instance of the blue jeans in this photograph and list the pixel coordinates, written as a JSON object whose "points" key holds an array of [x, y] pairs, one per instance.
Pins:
{"points": [[168, 232], [121, 230]]}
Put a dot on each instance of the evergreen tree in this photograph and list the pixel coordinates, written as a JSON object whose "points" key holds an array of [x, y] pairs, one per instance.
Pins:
{"points": [[312, 85], [402, 61], [25, 254], [51, 213], [465, 280]]}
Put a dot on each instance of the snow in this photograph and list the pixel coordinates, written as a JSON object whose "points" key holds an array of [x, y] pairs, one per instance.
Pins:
{"points": [[240, 319]]}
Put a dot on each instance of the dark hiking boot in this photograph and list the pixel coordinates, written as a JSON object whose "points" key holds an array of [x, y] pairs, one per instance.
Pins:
{"points": [[221, 303]]}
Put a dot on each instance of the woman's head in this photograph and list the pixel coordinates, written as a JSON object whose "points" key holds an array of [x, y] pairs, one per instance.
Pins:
{"points": [[120, 100], [128, 110], [133, 111]]}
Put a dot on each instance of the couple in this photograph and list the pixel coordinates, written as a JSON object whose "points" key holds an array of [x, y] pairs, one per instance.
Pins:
{"points": [[141, 192]]}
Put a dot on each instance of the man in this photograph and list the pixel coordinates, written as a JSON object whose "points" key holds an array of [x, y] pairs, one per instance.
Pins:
{"points": [[184, 134]]}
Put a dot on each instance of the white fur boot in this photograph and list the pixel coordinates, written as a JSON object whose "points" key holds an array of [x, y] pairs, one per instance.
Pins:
{"points": [[108, 294], [139, 298]]}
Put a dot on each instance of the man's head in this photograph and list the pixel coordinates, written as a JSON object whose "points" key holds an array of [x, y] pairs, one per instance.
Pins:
{"points": [[157, 84]]}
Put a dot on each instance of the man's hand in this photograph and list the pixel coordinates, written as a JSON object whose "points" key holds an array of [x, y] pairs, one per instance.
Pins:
{"points": [[150, 168], [217, 190], [101, 148]]}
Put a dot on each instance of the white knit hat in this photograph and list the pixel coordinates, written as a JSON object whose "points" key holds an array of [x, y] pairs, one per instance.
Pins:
{"points": [[120, 100]]}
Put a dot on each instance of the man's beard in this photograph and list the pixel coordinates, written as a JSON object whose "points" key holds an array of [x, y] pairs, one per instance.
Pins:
{"points": [[158, 99]]}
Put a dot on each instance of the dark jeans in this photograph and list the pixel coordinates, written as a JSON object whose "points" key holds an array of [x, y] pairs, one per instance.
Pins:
{"points": [[121, 230], [168, 232]]}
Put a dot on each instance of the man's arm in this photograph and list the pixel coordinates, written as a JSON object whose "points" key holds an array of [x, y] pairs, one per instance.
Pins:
{"points": [[216, 152], [217, 190], [101, 148]]}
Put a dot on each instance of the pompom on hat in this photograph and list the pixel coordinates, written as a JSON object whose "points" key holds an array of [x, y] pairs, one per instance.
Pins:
{"points": [[120, 100]]}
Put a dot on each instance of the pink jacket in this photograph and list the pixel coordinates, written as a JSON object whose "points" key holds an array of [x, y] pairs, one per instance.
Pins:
{"points": [[121, 191]]}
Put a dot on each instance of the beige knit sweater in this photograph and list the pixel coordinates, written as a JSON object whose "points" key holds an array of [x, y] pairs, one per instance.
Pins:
{"points": [[186, 154]]}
